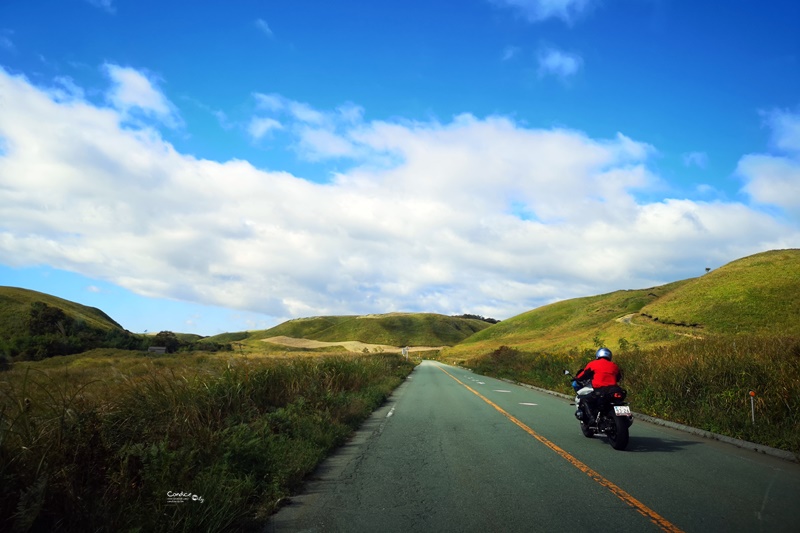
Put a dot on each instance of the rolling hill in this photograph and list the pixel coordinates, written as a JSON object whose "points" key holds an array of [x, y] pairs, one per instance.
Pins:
{"points": [[394, 329], [15, 309], [757, 295], [36, 326]]}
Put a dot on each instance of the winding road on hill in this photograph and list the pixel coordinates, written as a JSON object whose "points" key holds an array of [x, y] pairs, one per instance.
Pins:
{"points": [[456, 451]]}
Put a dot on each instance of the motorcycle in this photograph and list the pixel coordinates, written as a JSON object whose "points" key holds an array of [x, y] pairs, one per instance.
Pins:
{"points": [[608, 414]]}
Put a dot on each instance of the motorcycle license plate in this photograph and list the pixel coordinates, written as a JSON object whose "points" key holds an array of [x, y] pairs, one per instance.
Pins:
{"points": [[622, 410]]}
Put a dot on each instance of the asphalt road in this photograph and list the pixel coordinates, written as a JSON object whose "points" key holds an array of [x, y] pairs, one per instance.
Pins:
{"points": [[455, 451]]}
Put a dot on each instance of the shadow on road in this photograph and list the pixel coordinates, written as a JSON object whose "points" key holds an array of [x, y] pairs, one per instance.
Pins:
{"points": [[652, 444]]}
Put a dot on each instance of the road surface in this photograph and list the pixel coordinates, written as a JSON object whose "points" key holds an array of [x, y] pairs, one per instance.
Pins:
{"points": [[456, 451]]}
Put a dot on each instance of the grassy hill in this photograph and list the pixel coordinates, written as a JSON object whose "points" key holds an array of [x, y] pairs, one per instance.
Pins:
{"points": [[15, 306], [34, 326], [758, 295], [394, 329]]}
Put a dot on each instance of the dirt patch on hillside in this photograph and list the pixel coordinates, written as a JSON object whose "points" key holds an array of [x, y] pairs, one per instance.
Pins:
{"points": [[352, 346], [627, 320]]}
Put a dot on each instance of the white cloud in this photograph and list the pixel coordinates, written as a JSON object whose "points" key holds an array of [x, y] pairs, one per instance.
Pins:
{"points": [[350, 113], [269, 102], [69, 89], [106, 5], [510, 52], [134, 92], [262, 25], [539, 10], [775, 179], [771, 180], [695, 159], [429, 218], [259, 127], [786, 130], [318, 144], [558, 63], [305, 113], [320, 135], [5, 40]]}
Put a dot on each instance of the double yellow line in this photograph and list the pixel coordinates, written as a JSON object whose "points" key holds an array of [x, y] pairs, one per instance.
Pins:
{"points": [[657, 519]]}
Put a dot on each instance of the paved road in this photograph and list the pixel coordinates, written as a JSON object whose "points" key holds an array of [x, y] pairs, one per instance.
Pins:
{"points": [[455, 451]]}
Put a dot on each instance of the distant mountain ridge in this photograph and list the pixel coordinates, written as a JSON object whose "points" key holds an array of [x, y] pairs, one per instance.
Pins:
{"points": [[394, 329], [758, 295]]}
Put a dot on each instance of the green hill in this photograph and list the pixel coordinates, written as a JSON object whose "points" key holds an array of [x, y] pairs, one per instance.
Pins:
{"points": [[758, 295], [15, 308], [34, 325], [394, 329]]}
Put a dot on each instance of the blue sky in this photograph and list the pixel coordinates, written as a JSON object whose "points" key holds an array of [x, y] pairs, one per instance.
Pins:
{"points": [[197, 167]]}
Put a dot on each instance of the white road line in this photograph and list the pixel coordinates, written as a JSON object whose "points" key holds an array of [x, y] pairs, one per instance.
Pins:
{"points": [[501, 390], [526, 403], [391, 412]]}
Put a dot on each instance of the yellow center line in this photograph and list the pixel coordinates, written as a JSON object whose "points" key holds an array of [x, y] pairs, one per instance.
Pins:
{"points": [[657, 519]]}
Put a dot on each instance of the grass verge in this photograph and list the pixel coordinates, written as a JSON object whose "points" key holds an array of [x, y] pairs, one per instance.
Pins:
{"points": [[190, 443], [703, 383]]}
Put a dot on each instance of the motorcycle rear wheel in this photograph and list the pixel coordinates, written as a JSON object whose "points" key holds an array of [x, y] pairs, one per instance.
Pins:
{"points": [[618, 434]]}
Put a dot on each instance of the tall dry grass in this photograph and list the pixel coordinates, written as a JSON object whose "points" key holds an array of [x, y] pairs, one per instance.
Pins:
{"points": [[173, 444], [703, 383]]}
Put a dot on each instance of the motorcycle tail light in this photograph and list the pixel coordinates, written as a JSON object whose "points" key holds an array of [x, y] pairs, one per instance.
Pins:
{"points": [[617, 395]]}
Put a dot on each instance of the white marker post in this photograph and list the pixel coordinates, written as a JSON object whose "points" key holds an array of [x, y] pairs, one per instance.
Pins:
{"points": [[753, 406], [405, 352]]}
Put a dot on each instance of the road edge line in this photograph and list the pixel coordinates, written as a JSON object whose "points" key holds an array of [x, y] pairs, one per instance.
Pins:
{"points": [[743, 444], [616, 490]]}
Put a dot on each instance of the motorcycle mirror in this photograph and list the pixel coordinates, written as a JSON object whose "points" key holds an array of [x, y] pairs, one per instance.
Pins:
{"points": [[566, 372]]}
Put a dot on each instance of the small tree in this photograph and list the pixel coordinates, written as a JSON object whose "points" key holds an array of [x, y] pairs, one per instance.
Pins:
{"points": [[167, 339], [598, 341]]}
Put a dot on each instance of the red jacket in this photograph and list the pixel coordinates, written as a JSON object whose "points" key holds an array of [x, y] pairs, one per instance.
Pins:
{"points": [[603, 372]]}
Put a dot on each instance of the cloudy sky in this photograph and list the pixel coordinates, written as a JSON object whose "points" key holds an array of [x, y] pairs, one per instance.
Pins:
{"points": [[201, 167]]}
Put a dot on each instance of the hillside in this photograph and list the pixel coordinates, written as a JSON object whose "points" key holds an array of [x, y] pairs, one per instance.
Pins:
{"points": [[757, 295], [35, 326], [394, 329], [15, 308]]}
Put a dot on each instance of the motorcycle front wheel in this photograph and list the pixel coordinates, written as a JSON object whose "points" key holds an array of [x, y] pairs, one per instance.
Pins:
{"points": [[617, 433]]}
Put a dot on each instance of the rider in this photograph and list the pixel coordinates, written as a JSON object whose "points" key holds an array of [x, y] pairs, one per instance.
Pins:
{"points": [[603, 371]]}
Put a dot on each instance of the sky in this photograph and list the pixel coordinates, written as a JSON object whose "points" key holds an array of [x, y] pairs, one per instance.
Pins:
{"points": [[209, 167]]}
